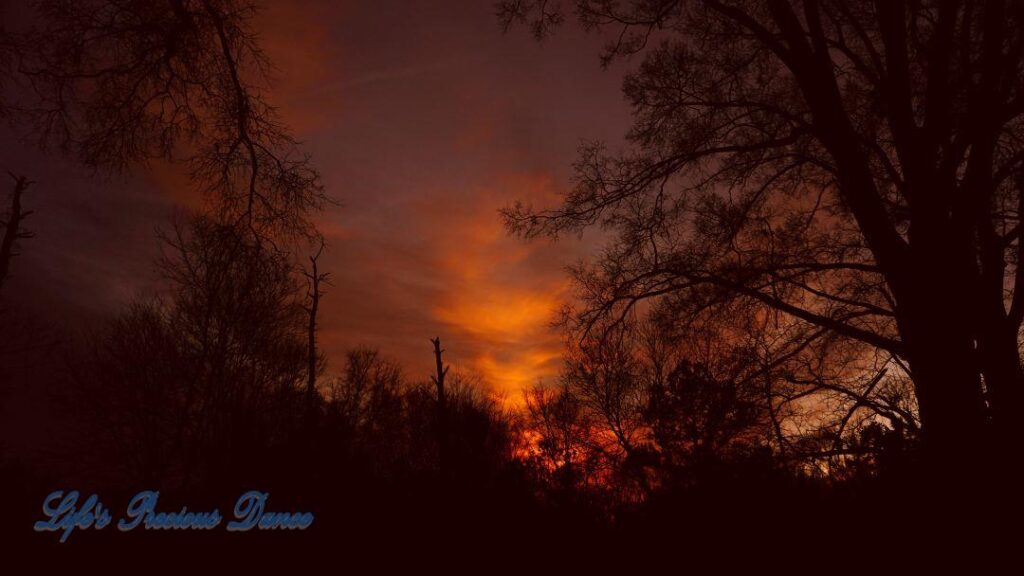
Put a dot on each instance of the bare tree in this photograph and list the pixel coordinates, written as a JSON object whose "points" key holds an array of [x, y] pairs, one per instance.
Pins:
{"points": [[12, 226], [442, 371], [115, 83], [369, 387], [853, 165], [314, 279], [441, 422], [608, 379], [562, 447], [194, 386], [237, 310]]}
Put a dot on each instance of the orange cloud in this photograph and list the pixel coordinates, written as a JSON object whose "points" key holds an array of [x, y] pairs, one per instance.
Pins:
{"points": [[423, 134], [493, 295]]}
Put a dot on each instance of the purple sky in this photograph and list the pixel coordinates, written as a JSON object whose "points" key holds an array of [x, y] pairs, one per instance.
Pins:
{"points": [[424, 120]]}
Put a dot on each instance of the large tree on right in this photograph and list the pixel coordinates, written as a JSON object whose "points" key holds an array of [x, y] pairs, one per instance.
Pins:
{"points": [[853, 166]]}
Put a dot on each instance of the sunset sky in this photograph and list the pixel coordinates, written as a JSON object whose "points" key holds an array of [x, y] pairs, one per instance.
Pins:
{"points": [[424, 120]]}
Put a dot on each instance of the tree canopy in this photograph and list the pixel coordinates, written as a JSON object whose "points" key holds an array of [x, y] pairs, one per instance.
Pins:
{"points": [[853, 166]]}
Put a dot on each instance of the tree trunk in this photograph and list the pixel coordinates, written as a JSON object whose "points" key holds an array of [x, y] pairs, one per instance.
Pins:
{"points": [[12, 231], [948, 386], [315, 278], [311, 352], [442, 408], [999, 355], [937, 326]]}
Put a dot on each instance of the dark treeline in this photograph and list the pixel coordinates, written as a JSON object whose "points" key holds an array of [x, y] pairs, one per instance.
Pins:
{"points": [[200, 392], [803, 333]]}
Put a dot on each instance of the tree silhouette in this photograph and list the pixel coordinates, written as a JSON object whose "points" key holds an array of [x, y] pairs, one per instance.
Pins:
{"points": [[853, 165], [118, 83], [12, 226], [191, 388], [369, 387], [315, 360], [695, 416], [563, 445], [442, 405]]}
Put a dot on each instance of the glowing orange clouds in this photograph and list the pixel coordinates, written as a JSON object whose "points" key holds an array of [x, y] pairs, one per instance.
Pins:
{"points": [[425, 120], [495, 301], [513, 325], [494, 311]]}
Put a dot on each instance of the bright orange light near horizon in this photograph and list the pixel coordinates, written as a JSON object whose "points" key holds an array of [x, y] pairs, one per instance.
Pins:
{"points": [[514, 324], [494, 297], [526, 369]]}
